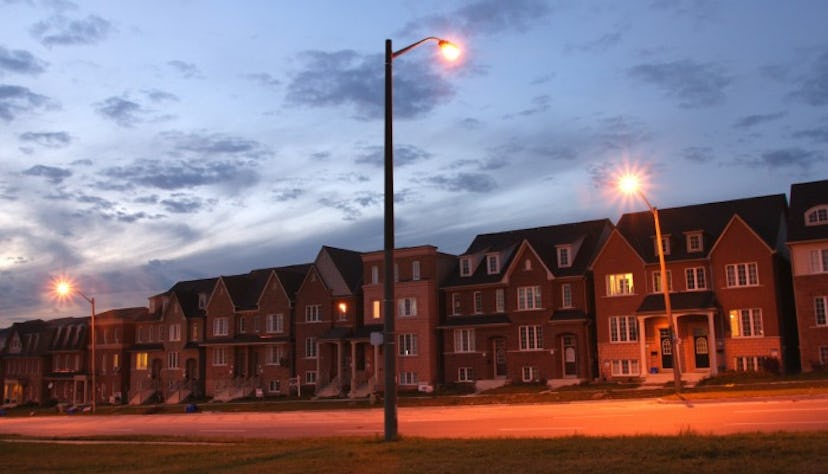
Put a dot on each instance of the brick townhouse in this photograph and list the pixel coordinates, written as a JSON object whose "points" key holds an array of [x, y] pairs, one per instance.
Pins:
{"points": [[808, 241], [418, 274], [519, 306], [115, 337], [26, 362], [68, 379], [728, 276], [326, 324]]}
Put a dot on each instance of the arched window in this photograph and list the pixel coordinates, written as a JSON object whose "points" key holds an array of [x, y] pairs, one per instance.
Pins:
{"points": [[817, 215]]}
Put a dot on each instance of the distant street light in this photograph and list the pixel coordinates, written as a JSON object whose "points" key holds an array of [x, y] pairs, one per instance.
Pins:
{"points": [[450, 52], [629, 184], [64, 289]]}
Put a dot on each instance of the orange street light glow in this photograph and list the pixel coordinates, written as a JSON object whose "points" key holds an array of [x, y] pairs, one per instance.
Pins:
{"points": [[449, 49], [62, 287]]}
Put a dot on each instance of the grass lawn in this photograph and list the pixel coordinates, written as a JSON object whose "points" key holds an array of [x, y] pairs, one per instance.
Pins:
{"points": [[688, 452]]}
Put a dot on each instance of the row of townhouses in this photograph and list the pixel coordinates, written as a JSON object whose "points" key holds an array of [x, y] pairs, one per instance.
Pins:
{"points": [[747, 279]]}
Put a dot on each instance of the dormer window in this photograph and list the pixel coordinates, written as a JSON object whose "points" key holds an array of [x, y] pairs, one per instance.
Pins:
{"points": [[694, 242], [202, 300], [492, 264], [465, 266], [665, 245], [565, 256], [817, 215]]}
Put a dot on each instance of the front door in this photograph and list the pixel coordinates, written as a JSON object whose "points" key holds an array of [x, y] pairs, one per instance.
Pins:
{"points": [[499, 352], [570, 361], [190, 372], [702, 352], [666, 349]]}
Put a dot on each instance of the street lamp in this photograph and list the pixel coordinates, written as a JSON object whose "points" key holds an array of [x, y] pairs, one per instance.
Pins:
{"points": [[629, 184], [450, 52], [64, 289]]}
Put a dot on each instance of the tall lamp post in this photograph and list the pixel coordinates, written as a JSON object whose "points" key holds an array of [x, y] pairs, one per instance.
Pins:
{"points": [[64, 288], [629, 184], [450, 51]]}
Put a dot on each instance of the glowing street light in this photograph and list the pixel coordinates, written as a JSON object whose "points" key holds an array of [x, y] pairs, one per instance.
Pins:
{"points": [[64, 289], [630, 184], [451, 52]]}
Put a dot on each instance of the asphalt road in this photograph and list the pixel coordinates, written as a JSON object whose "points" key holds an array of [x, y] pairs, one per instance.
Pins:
{"points": [[599, 418]]}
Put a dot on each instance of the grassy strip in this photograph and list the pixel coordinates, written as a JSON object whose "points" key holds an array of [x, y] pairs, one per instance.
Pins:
{"points": [[686, 452]]}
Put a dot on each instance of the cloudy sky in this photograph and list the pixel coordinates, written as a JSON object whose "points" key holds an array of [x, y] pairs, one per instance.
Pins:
{"points": [[147, 142]]}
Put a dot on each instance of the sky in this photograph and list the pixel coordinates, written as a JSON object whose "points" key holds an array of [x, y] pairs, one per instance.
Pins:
{"points": [[144, 143]]}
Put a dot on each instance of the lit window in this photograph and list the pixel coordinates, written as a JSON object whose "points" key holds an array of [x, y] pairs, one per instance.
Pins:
{"points": [[746, 322], [620, 284], [141, 360], [377, 309]]}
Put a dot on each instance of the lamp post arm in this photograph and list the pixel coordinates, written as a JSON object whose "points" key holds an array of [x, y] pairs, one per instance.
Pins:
{"points": [[412, 46]]}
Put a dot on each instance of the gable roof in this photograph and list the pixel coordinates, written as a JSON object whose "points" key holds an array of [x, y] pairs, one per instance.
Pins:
{"points": [[590, 235], [187, 294], [69, 334], [123, 314], [765, 215], [346, 277], [805, 196]]}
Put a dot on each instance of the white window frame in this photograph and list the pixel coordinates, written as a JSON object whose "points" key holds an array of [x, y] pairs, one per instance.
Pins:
{"points": [[242, 325], [313, 313], [626, 367], [456, 304], [310, 377], [665, 242], [817, 215], [529, 373], [620, 284], [500, 300], [746, 318], [735, 272], [220, 327], [819, 261], [492, 264], [530, 337], [657, 281], [566, 295], [478, 302], [821, 311], [465, 266], [747, 363], [173, 360], [407, 344], [408, 378], [274, 386], [274, 354], [529, 298], [695, 279], [623, 329], [415, 270], [374, 274], [564, 256], [407, 307], [275, 323], [465, 374], [696, 237], [464, 340], [219, 356], [311, 351]]}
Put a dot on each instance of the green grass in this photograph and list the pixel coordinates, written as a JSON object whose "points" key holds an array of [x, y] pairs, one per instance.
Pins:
{"points": [[685, 452]]}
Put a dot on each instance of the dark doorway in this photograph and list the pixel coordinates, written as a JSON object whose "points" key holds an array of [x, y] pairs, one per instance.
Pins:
{"points": [[570, 356], [499, 352], [666, 349], [702, 352]]}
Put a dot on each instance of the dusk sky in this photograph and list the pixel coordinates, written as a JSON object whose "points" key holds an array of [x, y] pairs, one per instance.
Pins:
{"points": [[147, 142]]}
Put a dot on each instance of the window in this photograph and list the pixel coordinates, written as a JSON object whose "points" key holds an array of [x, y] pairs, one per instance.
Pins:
{"points": [[141, 360], [376, 309], [527, 264], [565, 256], [819, 261], [242, 328], [310, 348], [374, 274], [465, 266], [310, 377], [823, 355], [657, 281], [694, 242], [343, 312], [478, 301], [415, 270], [202, 300], [529, 297], [817, 216], [220, 327], [500, 300], [820, 303], [256, 324], [566, 295], [172, 360], [492, 264], [220, 356], [312, 313], [396, 272], [194, 331], [116, 363], [275, 322], [407, 307], [408, 378], [464, 340], [531, 338], [625, 367], [408, 344], [620, 284], [530, 374], [746, 322], [748, 364], [623, 329], [274, 386], [695, 278], [741, 274], [465, 374], [274, 354], [456, 306]]}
